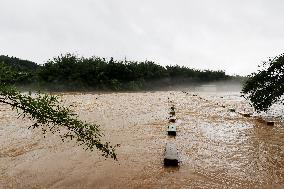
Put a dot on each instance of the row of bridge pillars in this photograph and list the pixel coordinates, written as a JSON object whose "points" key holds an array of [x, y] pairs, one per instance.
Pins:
{"points": [[171, 153]]}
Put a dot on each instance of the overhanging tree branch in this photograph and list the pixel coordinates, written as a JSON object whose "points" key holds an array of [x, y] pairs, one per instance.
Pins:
{"points": [[48, 115]]}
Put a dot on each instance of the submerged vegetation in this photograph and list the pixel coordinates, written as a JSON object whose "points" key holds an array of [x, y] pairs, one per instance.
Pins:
{"points": [[70, 72], [266, 86]]}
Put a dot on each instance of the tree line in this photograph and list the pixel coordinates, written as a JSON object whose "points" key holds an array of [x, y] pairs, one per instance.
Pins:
{"points": [[71, 72]]}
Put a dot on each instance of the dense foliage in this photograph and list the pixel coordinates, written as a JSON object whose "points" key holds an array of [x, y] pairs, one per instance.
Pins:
{"points": [[70, 72], [98, 73], [266, 87]]}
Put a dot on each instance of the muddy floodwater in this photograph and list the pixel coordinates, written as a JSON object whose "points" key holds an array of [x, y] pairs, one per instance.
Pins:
{"points": [[218, 148]]}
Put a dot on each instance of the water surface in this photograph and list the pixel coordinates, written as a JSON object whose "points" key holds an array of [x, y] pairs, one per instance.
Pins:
{"points": [[218, 148]]}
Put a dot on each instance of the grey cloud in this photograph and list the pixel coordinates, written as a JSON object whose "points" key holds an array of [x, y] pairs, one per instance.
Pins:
{"points": [[233, 35]]}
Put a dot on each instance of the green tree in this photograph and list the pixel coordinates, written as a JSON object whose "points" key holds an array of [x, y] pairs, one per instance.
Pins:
{"points": [[266, 86]]}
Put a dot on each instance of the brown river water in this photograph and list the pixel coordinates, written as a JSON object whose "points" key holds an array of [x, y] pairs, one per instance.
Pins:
{"points": [[217, 148]]}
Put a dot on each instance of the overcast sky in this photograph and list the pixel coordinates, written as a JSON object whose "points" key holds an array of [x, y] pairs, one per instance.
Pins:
{"points": [[231, 35]]}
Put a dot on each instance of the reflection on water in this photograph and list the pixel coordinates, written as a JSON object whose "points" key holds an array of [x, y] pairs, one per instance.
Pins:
{"points": [[217, 148]]}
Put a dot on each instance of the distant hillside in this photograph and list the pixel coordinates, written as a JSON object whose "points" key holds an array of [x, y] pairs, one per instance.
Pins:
{"points": [[18, 64], [16, 71]]}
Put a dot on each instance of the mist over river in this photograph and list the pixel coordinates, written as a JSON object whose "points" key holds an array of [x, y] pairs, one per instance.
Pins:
{"points": [[217, 148]]}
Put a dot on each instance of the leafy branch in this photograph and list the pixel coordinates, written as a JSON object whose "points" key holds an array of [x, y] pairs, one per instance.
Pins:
{"points": [[48, 115]]}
